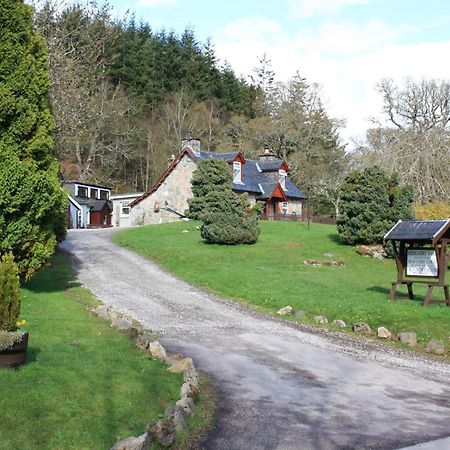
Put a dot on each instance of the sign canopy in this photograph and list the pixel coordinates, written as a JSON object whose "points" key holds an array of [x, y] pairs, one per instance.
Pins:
{"points": [[419, 230]]}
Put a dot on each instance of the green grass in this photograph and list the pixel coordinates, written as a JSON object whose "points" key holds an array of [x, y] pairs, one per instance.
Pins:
{"points": [[271, 274], [85, 386]]}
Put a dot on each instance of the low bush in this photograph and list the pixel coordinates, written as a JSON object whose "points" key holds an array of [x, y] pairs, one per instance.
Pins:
{"points": [[432, 211]]}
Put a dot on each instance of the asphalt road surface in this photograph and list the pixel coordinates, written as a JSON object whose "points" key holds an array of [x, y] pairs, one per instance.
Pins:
{"points": [[281, 386]]}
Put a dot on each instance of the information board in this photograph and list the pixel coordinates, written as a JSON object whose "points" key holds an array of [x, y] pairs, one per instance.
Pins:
{"points": [[421, 262]]}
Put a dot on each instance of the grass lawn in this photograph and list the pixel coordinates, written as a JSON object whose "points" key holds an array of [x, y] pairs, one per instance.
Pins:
{"points": [[85, 386], [271, 274]]}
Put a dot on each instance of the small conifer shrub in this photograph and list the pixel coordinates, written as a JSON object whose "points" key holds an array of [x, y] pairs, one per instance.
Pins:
{"points": [[9, 293]]}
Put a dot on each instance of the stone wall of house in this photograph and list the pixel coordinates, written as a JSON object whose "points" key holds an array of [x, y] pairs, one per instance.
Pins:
{"points": [[295, 207], [173, 193]]}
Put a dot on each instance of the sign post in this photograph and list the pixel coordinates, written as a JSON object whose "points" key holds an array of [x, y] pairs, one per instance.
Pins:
{"points": [[421, 256]]}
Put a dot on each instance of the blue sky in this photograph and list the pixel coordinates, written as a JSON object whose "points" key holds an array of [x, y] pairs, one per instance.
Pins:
{"points": [[346, 46]]}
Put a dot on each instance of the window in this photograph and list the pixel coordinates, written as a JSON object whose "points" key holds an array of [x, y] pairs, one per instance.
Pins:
{"points": [[284, 207], [237, 172], [104, 195], [124, 209], [282, 178], [82, 191], [94, 193]]}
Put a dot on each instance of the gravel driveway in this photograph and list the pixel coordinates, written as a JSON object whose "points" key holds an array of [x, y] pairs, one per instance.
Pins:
{"points": [[280, 385]]}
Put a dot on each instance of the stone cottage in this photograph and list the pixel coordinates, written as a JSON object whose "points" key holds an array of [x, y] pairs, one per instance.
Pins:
{"points": [[264, 180]]}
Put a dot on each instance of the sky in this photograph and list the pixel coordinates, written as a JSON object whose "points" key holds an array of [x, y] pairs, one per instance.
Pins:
{"points": [[346, 46]]}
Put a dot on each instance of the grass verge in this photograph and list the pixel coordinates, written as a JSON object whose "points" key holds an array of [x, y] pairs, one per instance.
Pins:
{"points": [[271, 274], [85, 386]]}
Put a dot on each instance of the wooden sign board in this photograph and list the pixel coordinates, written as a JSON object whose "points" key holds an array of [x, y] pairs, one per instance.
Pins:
{"points": [[421, 263]]}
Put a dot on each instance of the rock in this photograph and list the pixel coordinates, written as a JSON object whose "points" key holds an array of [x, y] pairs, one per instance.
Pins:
{"points": [[300, 314], [121, 324], [181, 365], [178, 416], [157, 350], [143, 341], [186, 390], [361, 327], [409, 338], [339, 323], [435, 346], [163, 432], [185, 231], [383, 333], [102, 311], [372, 251], [191, 376], [285, 311], [187, 403], [141, 442], [320, 319]]}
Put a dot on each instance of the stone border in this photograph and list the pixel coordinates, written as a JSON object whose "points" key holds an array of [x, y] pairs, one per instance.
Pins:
{"points": [[176, 416], [434, 346]]}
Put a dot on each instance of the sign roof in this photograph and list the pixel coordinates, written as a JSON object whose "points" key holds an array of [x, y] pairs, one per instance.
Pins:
{"points": [[422, 230]]}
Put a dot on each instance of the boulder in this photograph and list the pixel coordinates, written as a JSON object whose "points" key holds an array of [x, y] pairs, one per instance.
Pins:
{"points": [[285, 311], [162, 432], [383, 333], [181, 365], [141, 442], [157, 350], [372, 251], [361, 327], [408, 338], [300, 314], [320, 319], [186, 390], [435, 346], [178, 415], [122, 324], [187, 403], [102, 311], [339, 323], [191, 376]]}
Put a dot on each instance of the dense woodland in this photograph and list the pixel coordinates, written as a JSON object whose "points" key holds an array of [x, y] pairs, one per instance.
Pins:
{"points": [[123, 95]]}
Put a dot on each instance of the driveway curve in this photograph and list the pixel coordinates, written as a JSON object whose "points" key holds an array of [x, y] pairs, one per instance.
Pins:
{"points": [[281, 386]]}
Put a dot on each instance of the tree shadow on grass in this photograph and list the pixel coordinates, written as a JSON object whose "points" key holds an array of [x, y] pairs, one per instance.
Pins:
{"points": [[58, 276]]}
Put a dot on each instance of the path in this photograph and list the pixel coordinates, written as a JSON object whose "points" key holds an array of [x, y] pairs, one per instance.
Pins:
{"points": [[279, 387]]}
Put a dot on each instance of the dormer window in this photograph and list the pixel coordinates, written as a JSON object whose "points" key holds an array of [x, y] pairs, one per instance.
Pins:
{"points": [[282, 178], [237, 172]]}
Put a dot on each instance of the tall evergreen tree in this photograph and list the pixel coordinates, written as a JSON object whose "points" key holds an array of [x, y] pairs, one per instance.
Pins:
{"points": [[371, 203], [32, 202]]}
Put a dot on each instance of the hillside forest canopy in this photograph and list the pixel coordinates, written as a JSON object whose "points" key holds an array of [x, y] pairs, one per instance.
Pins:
{"points": [[123, 95]]}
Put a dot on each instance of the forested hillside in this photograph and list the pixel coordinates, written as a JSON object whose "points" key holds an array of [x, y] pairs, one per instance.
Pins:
{"points": [[123, 95]]}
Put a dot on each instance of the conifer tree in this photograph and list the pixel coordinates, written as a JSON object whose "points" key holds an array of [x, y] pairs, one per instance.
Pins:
{"points": [[32, 202]]}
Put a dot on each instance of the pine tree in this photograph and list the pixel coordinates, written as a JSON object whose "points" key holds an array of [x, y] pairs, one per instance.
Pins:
{"points": [[227, 217], [371, 203], [32, 202]]}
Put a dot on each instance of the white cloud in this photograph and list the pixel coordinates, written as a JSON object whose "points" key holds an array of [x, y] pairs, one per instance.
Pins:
{"points": [[151, 3], [347, 60], [307, 8], [344, 38]]}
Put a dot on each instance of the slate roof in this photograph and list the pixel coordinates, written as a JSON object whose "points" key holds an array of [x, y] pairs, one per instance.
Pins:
{"points": [[422, 230], [258, 177]]}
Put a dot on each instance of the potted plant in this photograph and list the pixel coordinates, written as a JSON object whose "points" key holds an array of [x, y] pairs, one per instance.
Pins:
{"points": [[13, 340]]}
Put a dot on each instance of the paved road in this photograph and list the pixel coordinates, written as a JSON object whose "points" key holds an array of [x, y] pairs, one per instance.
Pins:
{"points": [[280, 387]]}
